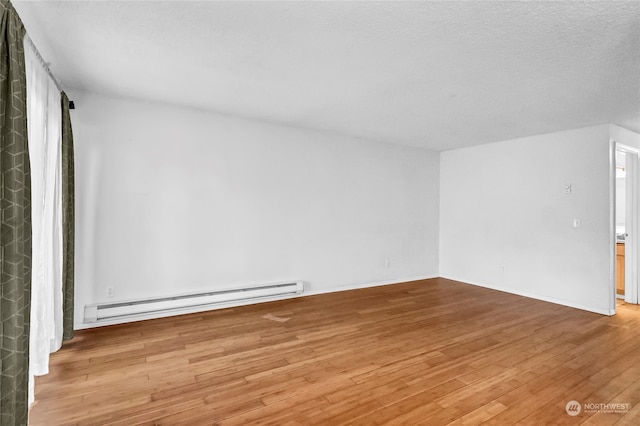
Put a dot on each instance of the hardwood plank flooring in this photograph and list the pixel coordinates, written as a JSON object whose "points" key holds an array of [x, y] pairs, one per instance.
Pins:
{"points": [[431, 352]]}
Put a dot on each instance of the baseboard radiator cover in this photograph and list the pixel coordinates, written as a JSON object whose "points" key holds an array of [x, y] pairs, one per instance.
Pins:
{"points": [[132, 309]]}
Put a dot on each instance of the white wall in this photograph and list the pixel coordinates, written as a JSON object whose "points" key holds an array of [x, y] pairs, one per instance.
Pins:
{"points": [[620, 203], [172, 200], [503, 204]]}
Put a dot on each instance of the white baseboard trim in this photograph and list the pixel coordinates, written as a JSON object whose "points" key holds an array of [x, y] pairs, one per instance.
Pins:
{"points": [[569, 304], [234, 304], [367, 285]]}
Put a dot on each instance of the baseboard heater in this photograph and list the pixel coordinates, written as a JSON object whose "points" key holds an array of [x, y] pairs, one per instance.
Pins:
{"points": [[136, 308]]}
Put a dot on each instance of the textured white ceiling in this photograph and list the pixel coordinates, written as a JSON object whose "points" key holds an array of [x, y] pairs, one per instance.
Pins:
{"points": [[439, 75]]}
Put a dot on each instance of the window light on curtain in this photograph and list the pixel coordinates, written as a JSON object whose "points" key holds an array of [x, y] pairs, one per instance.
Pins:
{"points": [[44, 119]]}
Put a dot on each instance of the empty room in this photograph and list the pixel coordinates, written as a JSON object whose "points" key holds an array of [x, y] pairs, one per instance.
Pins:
{"points": [[305, 212]]}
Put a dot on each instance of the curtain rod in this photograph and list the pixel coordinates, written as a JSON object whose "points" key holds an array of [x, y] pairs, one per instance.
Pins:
{"points": [[44, 64]]}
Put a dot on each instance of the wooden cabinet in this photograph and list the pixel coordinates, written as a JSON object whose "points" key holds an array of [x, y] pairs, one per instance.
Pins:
{"points": [[620, 268]]}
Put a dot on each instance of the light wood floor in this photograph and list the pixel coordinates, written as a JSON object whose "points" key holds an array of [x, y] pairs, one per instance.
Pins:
{"points": [[430, 352]]}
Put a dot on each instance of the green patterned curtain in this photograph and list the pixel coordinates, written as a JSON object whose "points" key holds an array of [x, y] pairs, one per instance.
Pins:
{"points": [[15, 227], [68, 219]]}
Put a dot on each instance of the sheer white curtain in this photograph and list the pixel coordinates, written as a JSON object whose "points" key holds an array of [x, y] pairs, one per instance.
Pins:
{"points": [[44, 120]]}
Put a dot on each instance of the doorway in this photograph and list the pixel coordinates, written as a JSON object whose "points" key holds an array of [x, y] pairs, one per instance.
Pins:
{"points": [[626, 223]]}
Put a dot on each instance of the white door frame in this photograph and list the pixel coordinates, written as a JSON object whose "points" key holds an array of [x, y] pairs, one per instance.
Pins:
{"points": [[632, 225]]}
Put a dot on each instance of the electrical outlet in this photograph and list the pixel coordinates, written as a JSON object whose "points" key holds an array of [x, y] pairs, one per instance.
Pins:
{"points": [[387, 264], [110, 291], [501, 268]]}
